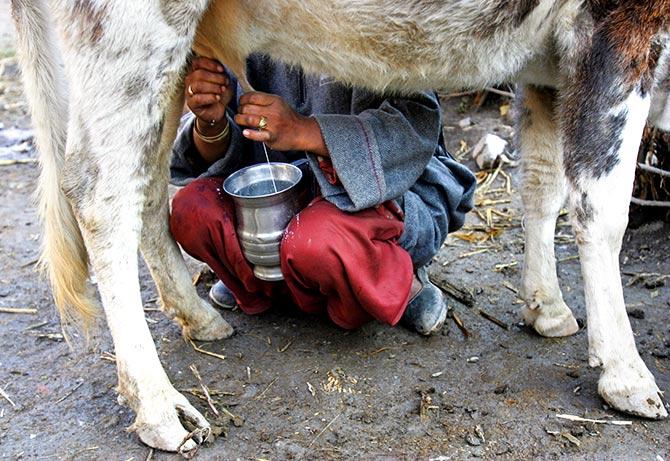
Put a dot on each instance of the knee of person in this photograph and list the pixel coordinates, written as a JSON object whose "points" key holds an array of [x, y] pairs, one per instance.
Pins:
{"points": [[306, 242], [190, 208], [178, 216]]}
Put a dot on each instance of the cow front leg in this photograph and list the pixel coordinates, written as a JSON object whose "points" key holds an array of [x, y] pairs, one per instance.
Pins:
{"points": [[543, 192], [603, 111], [600, 191]]}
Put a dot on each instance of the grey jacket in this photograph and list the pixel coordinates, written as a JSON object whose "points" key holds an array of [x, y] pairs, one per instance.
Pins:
{"points": [[382, 148]]}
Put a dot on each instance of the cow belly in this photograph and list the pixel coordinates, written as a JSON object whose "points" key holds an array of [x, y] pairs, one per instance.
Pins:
{"points": [[389, 44]]}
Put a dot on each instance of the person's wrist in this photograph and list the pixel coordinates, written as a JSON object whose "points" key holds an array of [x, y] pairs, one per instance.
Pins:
{"points": [[310, 139], [208, 128], [219, 136]]}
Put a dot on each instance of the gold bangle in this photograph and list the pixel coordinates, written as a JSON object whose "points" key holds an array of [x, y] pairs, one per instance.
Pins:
{"points": [[212, 139]]}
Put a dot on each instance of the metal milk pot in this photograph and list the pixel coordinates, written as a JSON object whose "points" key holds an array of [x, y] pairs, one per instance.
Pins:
{"points": [[263, 214]]}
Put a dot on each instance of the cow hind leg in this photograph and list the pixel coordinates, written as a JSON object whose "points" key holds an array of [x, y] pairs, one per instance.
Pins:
{"points": [[199, 320], [543, 193], [603, 131], [123, 80], [104, 180], [107, 195]]}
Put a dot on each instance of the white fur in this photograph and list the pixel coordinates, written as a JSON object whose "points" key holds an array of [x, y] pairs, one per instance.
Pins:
{"points": [[63, 253], [129, 199], [544, 191], [626, 383], [383, 45], [114, 174]]}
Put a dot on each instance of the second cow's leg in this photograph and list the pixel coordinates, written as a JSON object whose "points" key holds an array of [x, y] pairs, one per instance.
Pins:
{"points": [[543, 192], [199, 320]]}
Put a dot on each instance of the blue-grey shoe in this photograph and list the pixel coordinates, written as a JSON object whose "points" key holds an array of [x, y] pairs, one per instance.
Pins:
{"points": [[222, 296], [427, 310]]}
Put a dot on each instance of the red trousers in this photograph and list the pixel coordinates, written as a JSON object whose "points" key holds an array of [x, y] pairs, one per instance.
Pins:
{"points": [[347, 265]]}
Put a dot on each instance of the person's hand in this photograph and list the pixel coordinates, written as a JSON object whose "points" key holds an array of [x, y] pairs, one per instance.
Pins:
{"points": [[284, 129], [208, 90]]}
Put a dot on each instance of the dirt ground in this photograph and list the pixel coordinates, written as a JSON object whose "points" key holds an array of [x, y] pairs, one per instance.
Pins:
{"points": [[302, 388]]}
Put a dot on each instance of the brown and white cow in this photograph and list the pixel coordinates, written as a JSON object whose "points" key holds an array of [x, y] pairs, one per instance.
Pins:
{"points": [[107, 119]]}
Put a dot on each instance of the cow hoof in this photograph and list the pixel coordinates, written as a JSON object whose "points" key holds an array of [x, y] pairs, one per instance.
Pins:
{"points": [[550, 319], [631, 388], [158, 424], [208, 326]]}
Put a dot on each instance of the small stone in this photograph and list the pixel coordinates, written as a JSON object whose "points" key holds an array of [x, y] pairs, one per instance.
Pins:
{"points": [[9, 69], [654, 283], [636, 314], [573, 374], [488, 150], [478, 452], [466, 122], [504, 448], [473, 440], [660, 354], [501, 389], [578, 431], [470, 411], [473, 359]]}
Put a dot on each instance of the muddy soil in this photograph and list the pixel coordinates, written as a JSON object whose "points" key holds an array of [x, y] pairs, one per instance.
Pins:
{"points": [[302, 388]]}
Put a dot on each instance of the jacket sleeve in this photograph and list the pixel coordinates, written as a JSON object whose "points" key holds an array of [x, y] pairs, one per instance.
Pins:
{"points": [[379, 152], [435, 205]]}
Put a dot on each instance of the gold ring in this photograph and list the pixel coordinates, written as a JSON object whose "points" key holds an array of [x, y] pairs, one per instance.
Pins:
{"points": [[190, 91], [262, 123]]}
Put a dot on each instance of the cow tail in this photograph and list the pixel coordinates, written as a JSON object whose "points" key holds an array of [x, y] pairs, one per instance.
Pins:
{"points": [[63, 254]]}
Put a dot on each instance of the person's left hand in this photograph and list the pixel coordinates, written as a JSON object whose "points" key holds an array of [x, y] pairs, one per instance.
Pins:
{"points": [[285, 129]]}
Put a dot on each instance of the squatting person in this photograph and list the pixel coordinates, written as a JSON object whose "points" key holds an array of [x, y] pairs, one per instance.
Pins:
{"points": [[388, 193]]}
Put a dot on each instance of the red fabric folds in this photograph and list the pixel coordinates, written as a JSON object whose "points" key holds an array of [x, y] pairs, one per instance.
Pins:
{"points": [[346, 265]]}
